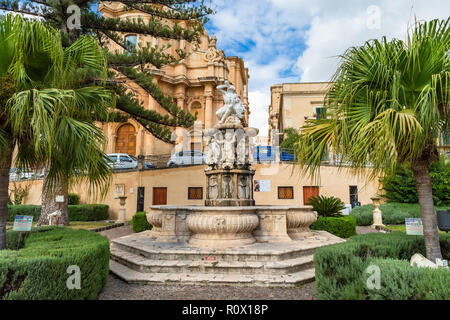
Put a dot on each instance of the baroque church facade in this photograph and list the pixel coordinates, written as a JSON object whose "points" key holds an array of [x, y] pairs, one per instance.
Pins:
{"points": [[192, 84]]}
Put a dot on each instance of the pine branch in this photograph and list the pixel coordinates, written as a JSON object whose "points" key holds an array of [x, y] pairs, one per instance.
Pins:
{"points": [[144, 80]]}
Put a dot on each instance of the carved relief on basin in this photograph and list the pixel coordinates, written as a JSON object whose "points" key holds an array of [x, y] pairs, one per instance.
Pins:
{"points": [[298, 222], [222, 228]]}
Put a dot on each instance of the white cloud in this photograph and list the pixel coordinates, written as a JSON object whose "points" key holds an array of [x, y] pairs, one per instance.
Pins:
{"points": [[299, 40]]}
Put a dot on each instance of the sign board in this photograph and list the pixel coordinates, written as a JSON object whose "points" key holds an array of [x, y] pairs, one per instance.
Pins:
{"points": [[119, 190], [210, 258], [262, 186], [23, 223], [59, 199], [414, 227]]}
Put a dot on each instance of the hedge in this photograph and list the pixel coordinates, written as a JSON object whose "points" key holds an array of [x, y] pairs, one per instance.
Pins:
{"points": [[83, 212], [88, 212], [343, 227], [341, 270], [140, 222], [38, 271], [73, 199], [393, 213]]}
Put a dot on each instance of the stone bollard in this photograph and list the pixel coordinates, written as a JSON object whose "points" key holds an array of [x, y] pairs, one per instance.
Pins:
{"points": [[122, 209], [377, 215]]}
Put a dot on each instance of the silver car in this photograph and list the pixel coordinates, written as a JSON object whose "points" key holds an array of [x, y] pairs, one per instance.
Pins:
{"points": [[120, 161], [185, 158]]}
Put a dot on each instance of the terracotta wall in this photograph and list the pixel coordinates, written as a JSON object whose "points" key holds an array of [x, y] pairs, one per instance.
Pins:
{"points": [[177, 180]]}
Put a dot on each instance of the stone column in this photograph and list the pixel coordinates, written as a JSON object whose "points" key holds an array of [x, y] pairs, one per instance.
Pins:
{"points": [[209, 111]]}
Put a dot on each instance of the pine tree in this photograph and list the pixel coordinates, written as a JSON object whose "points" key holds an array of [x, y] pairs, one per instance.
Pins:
{"points": [[132, 62]]}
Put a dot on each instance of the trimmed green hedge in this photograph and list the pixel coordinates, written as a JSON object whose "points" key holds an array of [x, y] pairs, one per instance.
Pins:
{"points": [[393, 213], [140, 222], [88, 212], [38, 271], [341, 270], [343, 227], [82, 212], [73, 199]]}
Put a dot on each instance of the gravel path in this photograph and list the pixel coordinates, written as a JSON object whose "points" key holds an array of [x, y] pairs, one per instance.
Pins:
{"points": [[117, 289]]}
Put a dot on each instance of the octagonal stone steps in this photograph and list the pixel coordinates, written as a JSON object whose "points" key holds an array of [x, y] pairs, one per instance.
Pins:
{"points": [[139, 258], [142, 264], [262, 280]]}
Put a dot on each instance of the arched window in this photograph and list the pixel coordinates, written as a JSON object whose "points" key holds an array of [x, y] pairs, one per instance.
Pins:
{"points": [[130, 43], [126, 139]]}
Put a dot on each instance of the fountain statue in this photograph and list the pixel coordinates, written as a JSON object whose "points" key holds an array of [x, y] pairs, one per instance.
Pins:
{"points": [[229, 239]]}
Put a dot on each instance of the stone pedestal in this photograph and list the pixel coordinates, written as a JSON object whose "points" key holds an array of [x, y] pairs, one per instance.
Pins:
{"points": [[122, 210], [272, 226], [230, 188], [377, 215]]}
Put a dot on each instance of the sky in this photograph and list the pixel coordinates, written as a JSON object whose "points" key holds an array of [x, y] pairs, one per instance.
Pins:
{"points": [[285, 41]]}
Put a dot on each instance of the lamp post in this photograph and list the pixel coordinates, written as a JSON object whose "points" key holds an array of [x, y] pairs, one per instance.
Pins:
{"points": [[377, 215], [122, 209]]}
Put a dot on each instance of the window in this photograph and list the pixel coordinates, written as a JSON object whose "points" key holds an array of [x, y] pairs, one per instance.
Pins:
{"points": [[320, 112], [113, 158], [130, 43], [195, 193], [125, 159], [286, 193]]}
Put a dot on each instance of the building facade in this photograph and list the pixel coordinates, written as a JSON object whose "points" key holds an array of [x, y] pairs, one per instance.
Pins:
{"points": [[192, 83], [294, 103]]}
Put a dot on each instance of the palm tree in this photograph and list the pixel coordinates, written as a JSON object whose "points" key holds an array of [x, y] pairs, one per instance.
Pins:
{"points": [[46, 112], [388, 105]]}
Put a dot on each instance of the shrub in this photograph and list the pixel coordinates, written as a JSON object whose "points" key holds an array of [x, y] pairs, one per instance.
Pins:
{"points": [[327, 206], [401, 186], [88, 212], [343, 227], [393, 213], [39, 269], [24, 210], [83, 212], [73, 199], [341, 270], [140, 222]]}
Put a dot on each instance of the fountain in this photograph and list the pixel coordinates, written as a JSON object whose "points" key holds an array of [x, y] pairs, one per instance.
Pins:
{"points": [[229, 240]]}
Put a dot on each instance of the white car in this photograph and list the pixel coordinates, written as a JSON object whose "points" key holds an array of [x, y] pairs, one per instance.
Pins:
{"points": [[184, 158], [17, 174], [125, 161]]}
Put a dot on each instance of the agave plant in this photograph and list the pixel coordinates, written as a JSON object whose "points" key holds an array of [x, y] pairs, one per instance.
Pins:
{"points": [[327, 206]]}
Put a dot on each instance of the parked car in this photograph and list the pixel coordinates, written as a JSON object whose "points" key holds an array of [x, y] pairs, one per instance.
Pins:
{"points": [[17, 174], [125, 161], [184, 158]]}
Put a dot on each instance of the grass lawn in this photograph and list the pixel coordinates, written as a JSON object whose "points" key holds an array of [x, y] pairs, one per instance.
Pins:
{"points": [[401, 228], [80, 225]]}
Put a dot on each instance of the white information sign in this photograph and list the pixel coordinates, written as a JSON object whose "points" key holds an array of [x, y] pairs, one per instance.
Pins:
{"points": [[59, 199], [23, 223], [262, 186], [414, 227]]}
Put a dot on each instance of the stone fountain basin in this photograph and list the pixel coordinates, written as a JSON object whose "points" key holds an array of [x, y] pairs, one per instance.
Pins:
{"points": [[228, 227]]}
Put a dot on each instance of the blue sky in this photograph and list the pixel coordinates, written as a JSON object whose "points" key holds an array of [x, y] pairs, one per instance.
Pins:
{"points": [[283, 41]]}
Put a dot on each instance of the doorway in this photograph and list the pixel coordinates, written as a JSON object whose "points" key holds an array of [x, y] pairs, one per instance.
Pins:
{"points": [[309, 192]]}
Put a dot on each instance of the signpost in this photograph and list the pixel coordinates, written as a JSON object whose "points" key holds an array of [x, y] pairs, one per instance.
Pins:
{"points": [[23, 223], [414, 227]]}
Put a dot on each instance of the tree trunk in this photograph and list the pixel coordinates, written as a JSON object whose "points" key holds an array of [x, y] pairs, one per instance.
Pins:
{"points": [[429, 220], [49, 204], [5, 166]]}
